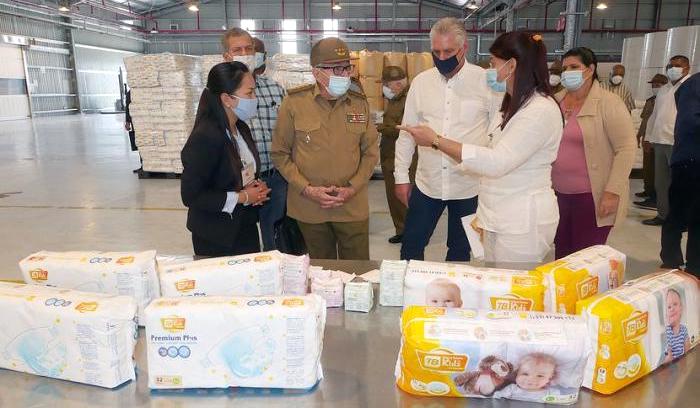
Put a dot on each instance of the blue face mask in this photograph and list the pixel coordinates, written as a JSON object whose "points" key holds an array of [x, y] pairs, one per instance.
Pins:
{"points": [[246, 109], [572, 80], [492, 79], [338, 85], [445, 66]]}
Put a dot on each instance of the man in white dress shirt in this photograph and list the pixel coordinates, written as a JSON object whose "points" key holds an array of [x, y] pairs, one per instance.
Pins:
{"points": [[660, 133], [455, 101]]}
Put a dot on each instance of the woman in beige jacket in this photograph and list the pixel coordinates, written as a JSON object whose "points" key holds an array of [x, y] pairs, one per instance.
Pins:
{"points": [[590, 175]]}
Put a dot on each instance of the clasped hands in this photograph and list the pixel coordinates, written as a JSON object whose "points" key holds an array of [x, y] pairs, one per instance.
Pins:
{"points": [[255, 193], [329, 197]]}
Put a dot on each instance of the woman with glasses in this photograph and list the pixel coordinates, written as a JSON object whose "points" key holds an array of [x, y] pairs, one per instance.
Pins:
{"points": [[590, 175], [219, 182], [517, 210]]}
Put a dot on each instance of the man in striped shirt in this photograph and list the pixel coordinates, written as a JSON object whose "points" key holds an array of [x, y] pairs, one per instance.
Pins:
{"points": [[614, 84]]}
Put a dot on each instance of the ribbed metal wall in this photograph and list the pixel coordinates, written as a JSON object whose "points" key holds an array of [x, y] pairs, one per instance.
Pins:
{"points": [[98, 76]]}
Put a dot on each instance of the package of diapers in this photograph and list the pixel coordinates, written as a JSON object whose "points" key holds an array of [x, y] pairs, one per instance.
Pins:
{"points": [[257, 274], [391, 277], [640, 326], [581, 275], [359, 295], [330, 289], [65, 334], [525, 356], [116, 273], [220, 342], [468, 287], [295, 274]]}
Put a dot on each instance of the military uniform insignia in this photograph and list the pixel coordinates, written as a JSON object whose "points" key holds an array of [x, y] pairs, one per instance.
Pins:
{"points": [[357, 118]]}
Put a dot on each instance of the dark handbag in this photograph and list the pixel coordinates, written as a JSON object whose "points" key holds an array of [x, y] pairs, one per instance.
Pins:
{"points": [[288, 238]]}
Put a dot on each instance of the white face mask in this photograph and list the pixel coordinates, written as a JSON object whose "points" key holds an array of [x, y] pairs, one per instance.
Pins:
{"points": [[248, 60], [388, 93], [554, 80], [616, 79], [654, 91], [674, 73]]}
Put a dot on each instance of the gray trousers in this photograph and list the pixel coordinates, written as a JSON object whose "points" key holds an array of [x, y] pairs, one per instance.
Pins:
{"points": [[662, 176]]}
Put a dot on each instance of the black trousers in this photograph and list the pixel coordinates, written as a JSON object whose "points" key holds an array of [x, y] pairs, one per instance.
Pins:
{"points": [[247, 241], [684, 211]]}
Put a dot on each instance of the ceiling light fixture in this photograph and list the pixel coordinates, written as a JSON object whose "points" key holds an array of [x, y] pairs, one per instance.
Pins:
{"points": [[471, 5], [63, 9], [123, 27], [336, 7], [193, 7], [154, 31], [601, 6]]}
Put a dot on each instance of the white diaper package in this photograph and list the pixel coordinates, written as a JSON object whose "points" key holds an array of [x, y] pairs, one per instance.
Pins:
{"points": [[116, 273], [220, 342], [359, 296], [468, 287], [330, 289], [581, 275], [391, 277], [525, 356], [295, 274], [256, 274], [640, 326], [66, 334]]}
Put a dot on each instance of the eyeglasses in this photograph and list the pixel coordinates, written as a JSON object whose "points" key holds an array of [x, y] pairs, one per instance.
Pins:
{"points": [[340, 70]]}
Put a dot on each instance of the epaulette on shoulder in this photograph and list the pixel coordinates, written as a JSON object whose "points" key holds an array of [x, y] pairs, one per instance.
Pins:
{"points": [[300, 88]]}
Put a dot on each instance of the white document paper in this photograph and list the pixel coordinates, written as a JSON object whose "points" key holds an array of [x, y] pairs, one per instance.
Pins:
{"points": [[473, 237]]}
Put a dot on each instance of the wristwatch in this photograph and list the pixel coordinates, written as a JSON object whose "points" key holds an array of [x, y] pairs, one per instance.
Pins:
{"points": [[436, 143]]}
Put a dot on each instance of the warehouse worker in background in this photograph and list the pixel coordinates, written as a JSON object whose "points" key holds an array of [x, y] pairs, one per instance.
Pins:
{"points": [[395, 89], [454, 100], [684, 194], [614, 84], [648, 160], [555, 77], [260, 56], [660, 133], [239, 46], [129, 127], [325, 145]]}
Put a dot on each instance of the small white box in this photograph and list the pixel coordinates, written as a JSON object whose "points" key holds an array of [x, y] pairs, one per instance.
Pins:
{"points": [[359, 296]]}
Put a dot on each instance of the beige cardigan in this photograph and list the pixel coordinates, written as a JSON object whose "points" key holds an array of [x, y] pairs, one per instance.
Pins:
{"points": [[610, 146]]}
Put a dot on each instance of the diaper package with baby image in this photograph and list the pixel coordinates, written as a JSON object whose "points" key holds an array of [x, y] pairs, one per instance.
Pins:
{"points": [[257, 274], [221, 342], [391, 278], [581, 275], [640, 326], [66, 334], [468, 287], [116, 273], [525, 356]]}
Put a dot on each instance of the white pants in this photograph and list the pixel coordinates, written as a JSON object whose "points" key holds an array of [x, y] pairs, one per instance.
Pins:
{"points": [[531, 247]]}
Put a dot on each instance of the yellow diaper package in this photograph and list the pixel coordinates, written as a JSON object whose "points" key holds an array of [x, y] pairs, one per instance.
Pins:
{"points": [[640, 326], [469, 287], [525, 356], [580, 275]]}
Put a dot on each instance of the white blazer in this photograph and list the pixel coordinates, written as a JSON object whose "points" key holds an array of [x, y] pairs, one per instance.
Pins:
{"points": [[515, 188]]}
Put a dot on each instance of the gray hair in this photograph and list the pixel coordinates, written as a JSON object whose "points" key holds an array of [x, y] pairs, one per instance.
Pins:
{"points": [[450, 25], [234, 32]]}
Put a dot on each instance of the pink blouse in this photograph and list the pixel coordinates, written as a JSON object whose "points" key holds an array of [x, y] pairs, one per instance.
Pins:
{"points": [[569, 170]]}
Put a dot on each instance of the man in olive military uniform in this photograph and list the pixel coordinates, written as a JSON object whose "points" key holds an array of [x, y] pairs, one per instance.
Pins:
{"points": [[325, 146], [395, 90]]}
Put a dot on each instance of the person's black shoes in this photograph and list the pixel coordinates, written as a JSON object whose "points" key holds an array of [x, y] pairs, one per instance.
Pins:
{"points": [[647, 204], [656, 221], [642, 194], [396, 239]]}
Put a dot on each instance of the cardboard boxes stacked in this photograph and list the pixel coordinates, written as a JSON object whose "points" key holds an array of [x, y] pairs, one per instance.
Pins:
{"points": [[417, 62], [371, 65], [165, 91]]}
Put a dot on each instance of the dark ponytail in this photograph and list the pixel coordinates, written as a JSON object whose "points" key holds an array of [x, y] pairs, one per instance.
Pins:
{"points": [[531, 73], [225, 77]]}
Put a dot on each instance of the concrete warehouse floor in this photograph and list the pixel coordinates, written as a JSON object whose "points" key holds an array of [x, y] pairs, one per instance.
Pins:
{"points": [[67, 185]]}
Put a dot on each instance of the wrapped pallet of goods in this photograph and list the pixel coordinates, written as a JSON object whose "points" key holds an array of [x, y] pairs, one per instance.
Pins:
{"points": [[417, 62], [207, 63], [371, 63], [355, 62], [395, 59], [290, 70], [165, 91]]}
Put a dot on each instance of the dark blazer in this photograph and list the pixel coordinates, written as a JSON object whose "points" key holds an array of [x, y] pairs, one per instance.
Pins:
{"points": [[212, 167]]}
